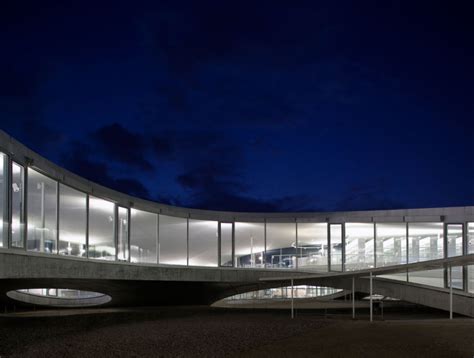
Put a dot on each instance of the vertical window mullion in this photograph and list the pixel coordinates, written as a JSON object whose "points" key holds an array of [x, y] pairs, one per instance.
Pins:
{"points": [[87, 226], [23, 216], [57, 217], [264, 256], [158, 239]]}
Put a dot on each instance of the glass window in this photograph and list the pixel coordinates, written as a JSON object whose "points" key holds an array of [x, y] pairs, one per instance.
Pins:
{"points": [[173, 240], [281, 245], [470, 238], [101, 229], [17, 205], [202, 243], [431, 278], [359, 246], [335, 247], [143, 236], [226, 243], [400, 276], [391, 244], [249, 244], [457, 280], [454, 239], [470, 278], [3, 201], [425, 241], [122, 235], [42, 212], [312, 250], [72, 221]]}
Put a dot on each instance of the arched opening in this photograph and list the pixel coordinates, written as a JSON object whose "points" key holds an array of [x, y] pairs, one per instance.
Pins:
{"points": [[59, 297]]}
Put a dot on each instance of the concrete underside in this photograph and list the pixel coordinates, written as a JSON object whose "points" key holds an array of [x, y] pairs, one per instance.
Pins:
{"points": [[137, 285]]}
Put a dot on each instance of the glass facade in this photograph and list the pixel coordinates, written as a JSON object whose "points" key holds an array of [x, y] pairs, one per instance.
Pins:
{"points": [[249, 244], [42, 203], [203, 243], [454, 239], [57, 218], [17, 192], [300, 291], [72, 222], [335, 247], [143, 236], [227, 232], [457, 272], [425, 241], [173, 239], [101, 229], [312, 249], [391, 244], [359, 246], [470, 238], [428, 277], [454, 233], [123, 235], [3, 200], [281, 245], [470, 281], [470, 250]]}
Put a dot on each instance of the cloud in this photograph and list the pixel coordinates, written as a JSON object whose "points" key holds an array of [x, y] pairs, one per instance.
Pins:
{"points": [[122, 145], [220, 196], [213, 179], [22, 106], [369, 196], [162, 147], [79, 159]]}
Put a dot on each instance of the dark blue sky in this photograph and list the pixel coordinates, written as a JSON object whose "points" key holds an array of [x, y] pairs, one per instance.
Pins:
{"points": [[255, 106]]}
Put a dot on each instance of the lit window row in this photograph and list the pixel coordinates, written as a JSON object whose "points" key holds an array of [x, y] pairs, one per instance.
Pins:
{"points": [[43, 215]]}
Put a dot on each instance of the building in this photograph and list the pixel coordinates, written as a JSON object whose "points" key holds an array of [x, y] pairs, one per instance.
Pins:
{"points": [[60, 231]]}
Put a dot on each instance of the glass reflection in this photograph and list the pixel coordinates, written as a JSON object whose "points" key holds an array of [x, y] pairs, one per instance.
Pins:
{"points": [[454, 239], [143, 236], [122, 235], [312, 250], [429, 277], [281, 245], [470, 238], [202, 243], [300, 291], [101, 229], [335, 247], [72, 222], [249, 244], [42, 213], [359, 246], [457, 278], [470, 280], [3, 201], [17, 205], [391, 244], [173, 239], [226, 243], [425, 241]]}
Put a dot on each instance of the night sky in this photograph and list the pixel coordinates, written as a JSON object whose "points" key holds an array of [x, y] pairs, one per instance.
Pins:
{"points": [[248, 106]]}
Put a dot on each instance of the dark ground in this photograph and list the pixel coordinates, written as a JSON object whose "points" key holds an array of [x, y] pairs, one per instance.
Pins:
{"points": [[204, 332]]}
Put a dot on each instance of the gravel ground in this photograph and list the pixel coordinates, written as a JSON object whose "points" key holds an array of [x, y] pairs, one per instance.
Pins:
{"points": [[203, 332]]}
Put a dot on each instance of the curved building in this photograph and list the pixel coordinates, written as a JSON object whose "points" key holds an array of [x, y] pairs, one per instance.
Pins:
{"points": [[69, 237]]}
